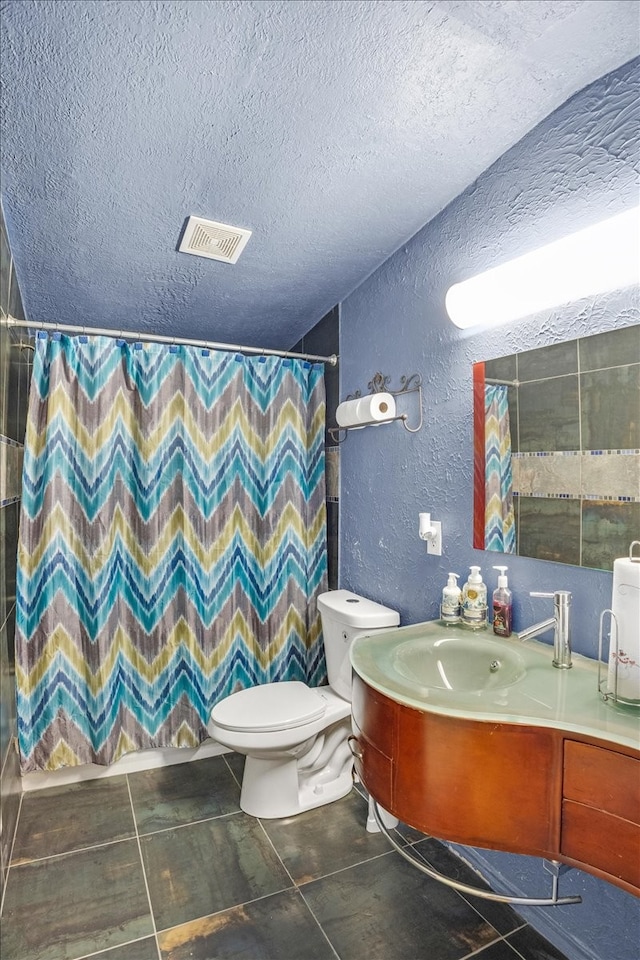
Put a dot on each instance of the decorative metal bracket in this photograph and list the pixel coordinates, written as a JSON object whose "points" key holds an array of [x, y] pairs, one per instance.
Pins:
{"points": [[552, 901], [379, 383]]}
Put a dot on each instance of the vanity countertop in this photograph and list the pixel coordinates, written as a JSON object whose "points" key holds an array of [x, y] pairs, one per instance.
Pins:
{"points": [[545, 696]]}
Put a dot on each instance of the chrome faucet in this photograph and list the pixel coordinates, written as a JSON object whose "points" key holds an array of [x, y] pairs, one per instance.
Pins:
{"points": [[561, 628]]}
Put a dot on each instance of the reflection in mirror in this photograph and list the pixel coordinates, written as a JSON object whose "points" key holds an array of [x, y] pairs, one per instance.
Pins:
{"points": [[557, 450]]}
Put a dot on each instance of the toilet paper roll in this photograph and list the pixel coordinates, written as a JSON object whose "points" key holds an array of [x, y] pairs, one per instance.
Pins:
{"points": [[625, 604], [375, 406]]}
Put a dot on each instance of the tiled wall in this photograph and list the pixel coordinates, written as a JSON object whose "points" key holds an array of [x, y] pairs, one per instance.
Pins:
{"points": [[15, 366], [575, 425], [324, 340]]}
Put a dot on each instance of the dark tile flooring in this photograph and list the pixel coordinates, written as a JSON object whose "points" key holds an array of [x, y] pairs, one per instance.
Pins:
{"points": [[163, 865]]}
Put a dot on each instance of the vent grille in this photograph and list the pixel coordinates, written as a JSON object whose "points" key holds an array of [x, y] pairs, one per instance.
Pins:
{"points": [[216, 241]]}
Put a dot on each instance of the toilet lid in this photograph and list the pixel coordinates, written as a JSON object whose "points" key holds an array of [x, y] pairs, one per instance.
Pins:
{"points": [[270, 706]]}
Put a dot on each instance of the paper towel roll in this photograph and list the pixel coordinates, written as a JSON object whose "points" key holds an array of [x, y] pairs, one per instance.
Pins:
{"points": [[625, 604], [375, 406], [347, 413]]}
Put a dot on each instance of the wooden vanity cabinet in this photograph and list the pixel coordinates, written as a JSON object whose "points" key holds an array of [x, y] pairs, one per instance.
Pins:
{"points": [[521, 789]]}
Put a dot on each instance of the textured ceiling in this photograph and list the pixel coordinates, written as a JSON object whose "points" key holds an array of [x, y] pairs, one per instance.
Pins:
{"points": [[334, 129]]}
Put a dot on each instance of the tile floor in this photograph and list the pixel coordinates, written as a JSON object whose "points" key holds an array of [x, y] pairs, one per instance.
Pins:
{"points": [[163, 865]]}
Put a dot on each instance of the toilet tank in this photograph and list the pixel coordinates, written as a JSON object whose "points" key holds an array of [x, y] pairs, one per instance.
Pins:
{"points": [[346, 616]]}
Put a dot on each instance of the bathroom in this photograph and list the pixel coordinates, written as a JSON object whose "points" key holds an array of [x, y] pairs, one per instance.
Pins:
{"points": [[576, 161]]}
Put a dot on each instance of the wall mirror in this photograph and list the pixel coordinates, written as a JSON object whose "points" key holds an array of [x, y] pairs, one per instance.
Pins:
{"points": [[557, 450]]}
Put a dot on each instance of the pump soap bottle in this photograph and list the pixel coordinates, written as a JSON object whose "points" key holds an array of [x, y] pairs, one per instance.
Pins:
{"points": [[474, 600], [451, 597], [502, 605]]}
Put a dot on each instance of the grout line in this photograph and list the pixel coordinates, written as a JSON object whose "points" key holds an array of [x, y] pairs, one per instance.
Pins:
{"points": [[230, 768], [351, 866], [191, 823], [234, 906], [580, 445], [144, 872], [477, 954], [70, 853], [10, 746], [273, 847], [12, 605], [322, 930], [13, 841], [111, 950]]}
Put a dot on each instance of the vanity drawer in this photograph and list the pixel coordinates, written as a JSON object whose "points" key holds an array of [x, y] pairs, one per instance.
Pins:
{"points": [[601, 840], [375, 771], [375, 716], [602, 779]]}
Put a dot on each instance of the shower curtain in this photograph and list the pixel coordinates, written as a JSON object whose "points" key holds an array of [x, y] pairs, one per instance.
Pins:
{"points": [[499, 532], [172, 542]]}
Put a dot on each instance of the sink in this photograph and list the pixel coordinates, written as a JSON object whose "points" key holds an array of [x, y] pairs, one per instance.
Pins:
{"points": [[457, 664], [454, 672]]}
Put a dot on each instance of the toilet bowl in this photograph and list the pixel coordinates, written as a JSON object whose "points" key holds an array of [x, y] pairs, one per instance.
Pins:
{"points": [[294, 736]]}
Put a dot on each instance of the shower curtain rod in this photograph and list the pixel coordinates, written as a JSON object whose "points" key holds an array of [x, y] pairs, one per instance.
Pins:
{"points": [[160, 338], [502, 383]]}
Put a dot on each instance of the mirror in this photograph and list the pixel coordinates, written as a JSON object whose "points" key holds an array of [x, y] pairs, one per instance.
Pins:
{"points": [[557, 450]]}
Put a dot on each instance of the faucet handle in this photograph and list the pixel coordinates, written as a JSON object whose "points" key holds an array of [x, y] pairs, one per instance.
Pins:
{"points": [[560, 596]]}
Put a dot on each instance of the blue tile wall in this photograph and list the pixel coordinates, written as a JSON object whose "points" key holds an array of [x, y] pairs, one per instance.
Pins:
{"points": [[15, 367], [323, 340]]}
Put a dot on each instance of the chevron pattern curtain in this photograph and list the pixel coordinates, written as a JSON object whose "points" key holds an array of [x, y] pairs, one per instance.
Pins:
{"points": [[172, 542], [500, 531]]}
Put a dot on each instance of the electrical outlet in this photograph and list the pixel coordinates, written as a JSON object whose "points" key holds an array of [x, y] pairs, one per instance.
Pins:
{"points": [[434, 544]]}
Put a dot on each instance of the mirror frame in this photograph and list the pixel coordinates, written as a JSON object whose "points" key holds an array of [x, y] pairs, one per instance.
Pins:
{"points": [[479, 456]]}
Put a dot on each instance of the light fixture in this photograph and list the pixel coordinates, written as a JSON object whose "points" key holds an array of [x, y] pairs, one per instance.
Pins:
{"points": [[595, 260]]}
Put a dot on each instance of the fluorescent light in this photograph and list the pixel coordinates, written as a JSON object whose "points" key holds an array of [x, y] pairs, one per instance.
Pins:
{"points": [[595, 260]]}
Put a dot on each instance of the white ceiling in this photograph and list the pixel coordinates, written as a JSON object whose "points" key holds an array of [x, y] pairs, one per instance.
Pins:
{"points": [[333, 129]]}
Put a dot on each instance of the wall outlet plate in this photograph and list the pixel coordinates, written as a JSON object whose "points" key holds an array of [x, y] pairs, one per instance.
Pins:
{"points": [[434, 545]]}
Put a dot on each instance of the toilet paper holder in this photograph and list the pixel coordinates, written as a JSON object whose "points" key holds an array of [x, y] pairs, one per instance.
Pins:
{"points": [[379, 383]]}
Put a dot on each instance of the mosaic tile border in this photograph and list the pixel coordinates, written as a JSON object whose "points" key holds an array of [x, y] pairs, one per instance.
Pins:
{"points": [[570, 496], [572, 453], [605, 475]]}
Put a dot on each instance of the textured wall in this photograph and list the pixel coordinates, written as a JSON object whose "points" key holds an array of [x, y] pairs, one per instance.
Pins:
{"points": [[578, 166], [331, 128]]}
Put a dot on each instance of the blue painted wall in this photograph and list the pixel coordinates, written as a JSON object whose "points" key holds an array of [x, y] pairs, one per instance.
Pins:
{"points": [[580, 165]]}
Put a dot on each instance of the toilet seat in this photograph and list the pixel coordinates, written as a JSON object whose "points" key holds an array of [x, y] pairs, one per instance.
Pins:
{"points": [[269, 707]]}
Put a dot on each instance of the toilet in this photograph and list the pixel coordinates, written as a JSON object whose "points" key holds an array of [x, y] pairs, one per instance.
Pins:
{"points": [[294, 736]]}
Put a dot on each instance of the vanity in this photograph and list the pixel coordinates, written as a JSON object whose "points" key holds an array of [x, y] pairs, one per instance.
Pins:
{"points": [[479, 740]]}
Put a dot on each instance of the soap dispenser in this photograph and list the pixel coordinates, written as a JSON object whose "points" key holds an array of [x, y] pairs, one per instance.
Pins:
{"points": [[474, 600], [451, 597], [502, 605]]}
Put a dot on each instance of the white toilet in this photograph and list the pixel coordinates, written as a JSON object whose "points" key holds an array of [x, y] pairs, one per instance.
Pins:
{"points": [[295, 736]]}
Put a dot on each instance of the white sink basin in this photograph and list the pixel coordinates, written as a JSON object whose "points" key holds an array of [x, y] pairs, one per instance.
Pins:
{"points": [[457, 664]]}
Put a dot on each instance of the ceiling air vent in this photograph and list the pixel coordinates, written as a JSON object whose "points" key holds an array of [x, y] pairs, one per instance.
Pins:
{"points": [[217, 241]]}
